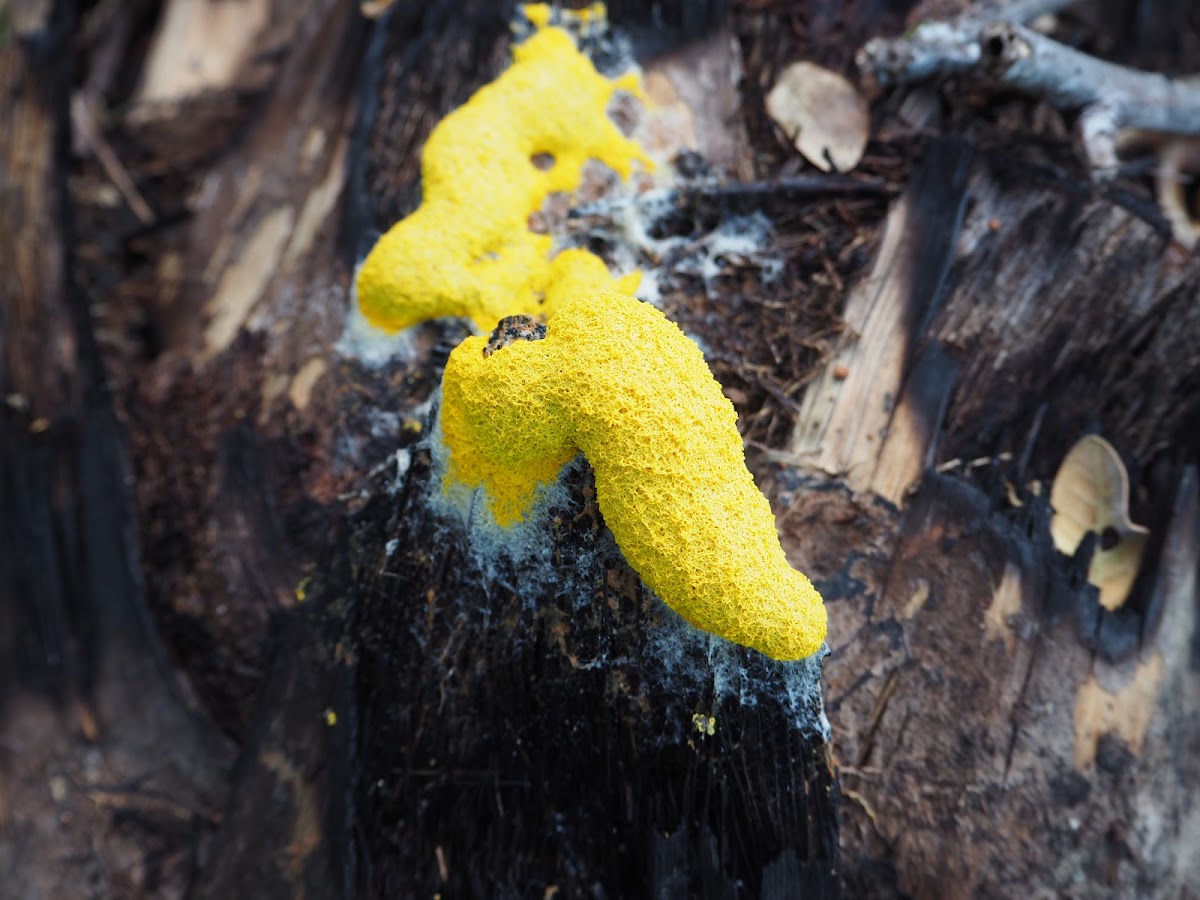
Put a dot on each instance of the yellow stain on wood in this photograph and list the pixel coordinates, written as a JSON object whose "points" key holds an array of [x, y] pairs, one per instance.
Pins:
{"points": [[300, 392], [170, 278], [467, 250], [318, 206], [272, 389], [243, 282], [901, 459], [373, 9], [1006, 601], [314, 143], [306, 822], [1126, 713], [200, 47], [674, 123], [616, 379], [917, 601]]}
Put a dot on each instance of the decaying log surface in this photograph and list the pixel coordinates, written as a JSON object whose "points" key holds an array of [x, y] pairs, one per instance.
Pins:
{"points": [[110, 779], [996, 728], [482, 735], [184, 449]]}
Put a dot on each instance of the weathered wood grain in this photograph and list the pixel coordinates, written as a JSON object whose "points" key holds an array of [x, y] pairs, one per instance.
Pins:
{"points": [[996, 726], [110, 779], [408, 726]]}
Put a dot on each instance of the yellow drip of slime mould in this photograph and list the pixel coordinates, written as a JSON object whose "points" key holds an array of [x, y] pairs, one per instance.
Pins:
{"points": [[467, 250], [616, 379]]}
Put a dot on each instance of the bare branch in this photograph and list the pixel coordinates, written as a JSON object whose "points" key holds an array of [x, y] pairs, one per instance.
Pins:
{"points": [[1023, 11], [1023, 59], [1109, 96], [940, 48], [929, 50]]}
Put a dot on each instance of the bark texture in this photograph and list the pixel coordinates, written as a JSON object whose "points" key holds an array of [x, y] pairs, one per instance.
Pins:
{"points": [[243, 655]]}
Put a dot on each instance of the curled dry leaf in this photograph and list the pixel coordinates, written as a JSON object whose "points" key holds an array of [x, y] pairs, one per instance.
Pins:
{"points": [[1091, 493], [824, 115], [1178, 191], [373, 9]]}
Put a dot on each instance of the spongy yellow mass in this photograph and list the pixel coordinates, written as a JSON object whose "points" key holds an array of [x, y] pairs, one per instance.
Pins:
{"points": [[467, 250], [618, 380]]}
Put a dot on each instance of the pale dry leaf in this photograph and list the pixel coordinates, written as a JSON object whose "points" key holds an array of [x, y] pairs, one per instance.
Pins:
{"points": [[824, 115], [373, 9], [1091, 493], [1179, 165]]}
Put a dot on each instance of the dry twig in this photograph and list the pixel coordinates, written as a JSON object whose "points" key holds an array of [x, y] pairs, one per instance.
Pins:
{"points": [[1109, 97]]}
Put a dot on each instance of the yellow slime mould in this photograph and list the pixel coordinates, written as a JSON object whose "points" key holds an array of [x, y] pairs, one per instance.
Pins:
{"points": [[467, 250], [617, 380]]}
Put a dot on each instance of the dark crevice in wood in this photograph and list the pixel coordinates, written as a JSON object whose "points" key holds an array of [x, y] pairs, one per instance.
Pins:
{"points": [[940, 191], [1177, 552], [357, 221], [1018, 712], [87, 695]]}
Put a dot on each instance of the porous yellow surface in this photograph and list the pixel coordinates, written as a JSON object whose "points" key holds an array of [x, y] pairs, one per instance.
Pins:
{"points": [[540, 14], [467, 250], [618, 380]]}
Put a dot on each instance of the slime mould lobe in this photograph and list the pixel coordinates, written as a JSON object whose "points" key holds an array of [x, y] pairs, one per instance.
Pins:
{"points": [[467, 250], [617, 380]]}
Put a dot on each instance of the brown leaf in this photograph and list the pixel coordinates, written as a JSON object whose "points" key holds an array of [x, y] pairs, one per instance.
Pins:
{"points": [[824, 115], [1091, 493]]}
